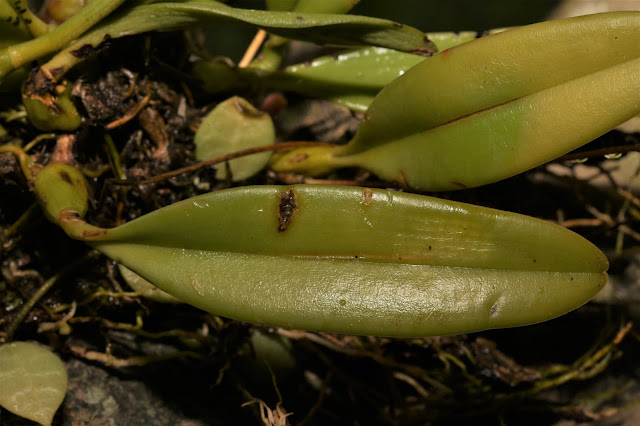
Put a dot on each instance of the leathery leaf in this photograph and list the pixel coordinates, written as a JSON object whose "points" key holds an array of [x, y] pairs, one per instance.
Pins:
{"points": [[496, 106], [355, 260], [331, 29]]}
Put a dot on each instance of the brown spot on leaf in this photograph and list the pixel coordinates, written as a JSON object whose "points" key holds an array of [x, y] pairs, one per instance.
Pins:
{"points": [[297, 158], [65, 177], [286, 209], [367, 196], [87, 50], [93, 233], [459, 185]]}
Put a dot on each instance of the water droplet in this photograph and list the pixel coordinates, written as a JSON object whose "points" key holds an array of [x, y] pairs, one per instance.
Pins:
{"points": [[613, 156]]}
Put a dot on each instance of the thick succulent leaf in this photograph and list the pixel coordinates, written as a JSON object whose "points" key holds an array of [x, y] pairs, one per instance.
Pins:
{"points": [[355, 260], [499, 105], [232, 126], [351, 78], [150, 291], [61, 187], [340, 30], [506, 140], [497, 69], [447, 40], [33, 381]]}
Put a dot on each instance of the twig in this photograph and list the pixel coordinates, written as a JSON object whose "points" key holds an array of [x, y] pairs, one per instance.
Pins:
{"points": [[253, 48], [601, 152], [134, 361], [216, 160], [130, 115]]}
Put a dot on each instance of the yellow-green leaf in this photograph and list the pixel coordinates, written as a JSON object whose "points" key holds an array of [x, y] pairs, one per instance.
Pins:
{"points": [[149, 290], [356, 260], [499, 105], [33, 381], [231, 126]]}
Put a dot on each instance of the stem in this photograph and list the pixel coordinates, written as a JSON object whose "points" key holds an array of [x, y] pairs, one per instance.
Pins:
{"points": [[221, 159], [26, 164], [37, 27], [17, 55], [10, 16], [253, 48]]}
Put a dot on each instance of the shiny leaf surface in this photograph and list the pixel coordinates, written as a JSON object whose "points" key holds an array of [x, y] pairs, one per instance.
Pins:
{"points": [[356, 260], [499, 105]]}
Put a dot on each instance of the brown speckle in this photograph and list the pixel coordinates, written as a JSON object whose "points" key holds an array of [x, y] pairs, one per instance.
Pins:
{"points": [[287, 208], [93, 234], [297, 158], [343, 302], [367, 196], [402, 179], [459, 185], [299, 18], [429, 247]]}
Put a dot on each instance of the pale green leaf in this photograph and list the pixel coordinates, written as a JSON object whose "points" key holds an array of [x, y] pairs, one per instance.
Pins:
{"points": [[231, 126], [150, 291], [499, 105], [33, 381], [355, 260]]}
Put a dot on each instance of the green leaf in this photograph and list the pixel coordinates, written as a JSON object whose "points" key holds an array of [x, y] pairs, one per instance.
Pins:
{"points": [[447, 40], [232, 126], [50, 110], [340, 30], [150, 291], [61, 187], [499, 105], [355, 260], [360, 72], [351, 78], [33, 381]]}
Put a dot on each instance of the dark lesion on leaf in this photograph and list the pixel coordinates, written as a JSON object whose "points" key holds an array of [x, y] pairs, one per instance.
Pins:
{"points": [[286, 209], [65, 177], [88, 50]]}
